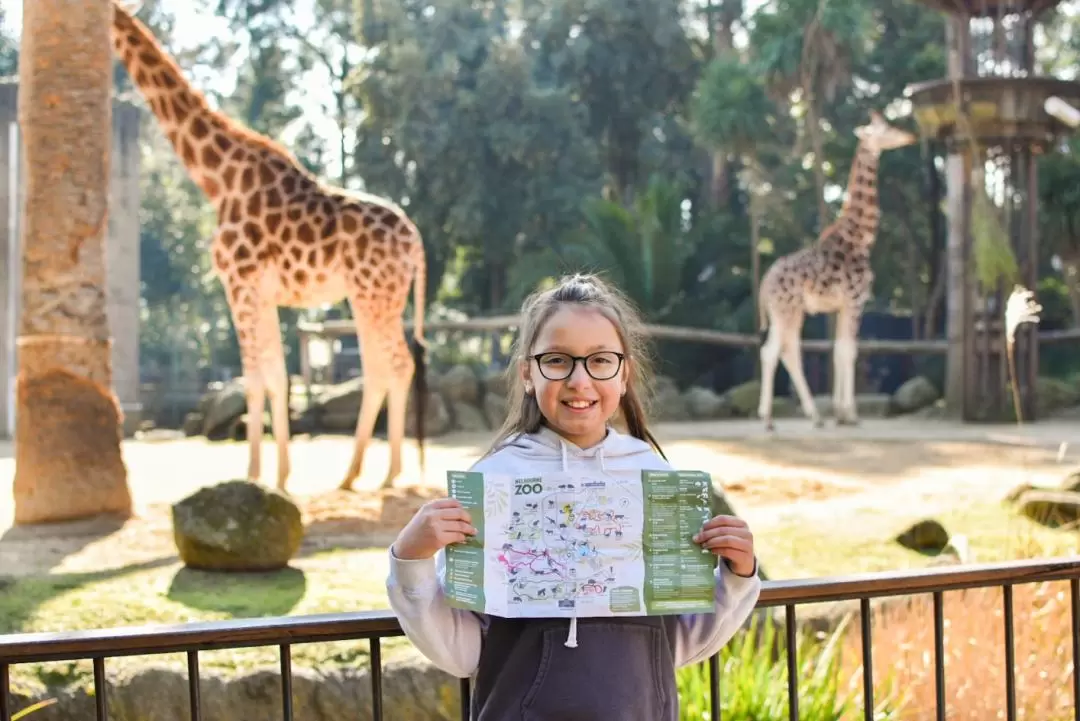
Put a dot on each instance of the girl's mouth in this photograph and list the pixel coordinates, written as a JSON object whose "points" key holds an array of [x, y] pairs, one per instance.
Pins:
{"points": [[579, 406]]}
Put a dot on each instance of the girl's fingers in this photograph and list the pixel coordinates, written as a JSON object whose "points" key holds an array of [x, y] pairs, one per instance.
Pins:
{"points": [[724, 522], [729, 542], [708, 533], [444, 503], [457, 527], [454, 514]]}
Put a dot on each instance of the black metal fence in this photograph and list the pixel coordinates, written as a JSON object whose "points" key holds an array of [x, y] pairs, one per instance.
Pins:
{"points": [[286, 632]]}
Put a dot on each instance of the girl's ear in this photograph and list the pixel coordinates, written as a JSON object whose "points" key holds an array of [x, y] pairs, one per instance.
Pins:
{"points": [[624, 376], [526, 377]]}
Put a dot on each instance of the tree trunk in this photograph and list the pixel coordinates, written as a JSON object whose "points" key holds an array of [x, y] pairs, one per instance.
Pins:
{"points": [[68, 462]]}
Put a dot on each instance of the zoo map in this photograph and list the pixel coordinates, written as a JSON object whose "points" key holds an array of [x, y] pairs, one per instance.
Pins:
{"points": [[565, 544]]}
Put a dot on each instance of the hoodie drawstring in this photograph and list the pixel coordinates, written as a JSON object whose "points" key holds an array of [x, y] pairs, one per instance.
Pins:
{"points": [[571, 637]]}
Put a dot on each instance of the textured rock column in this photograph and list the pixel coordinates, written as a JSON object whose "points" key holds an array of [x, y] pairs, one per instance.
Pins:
{"points": [[67, 442]]}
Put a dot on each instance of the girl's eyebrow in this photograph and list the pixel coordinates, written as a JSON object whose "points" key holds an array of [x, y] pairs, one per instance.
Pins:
{"points": [[594, 349]]}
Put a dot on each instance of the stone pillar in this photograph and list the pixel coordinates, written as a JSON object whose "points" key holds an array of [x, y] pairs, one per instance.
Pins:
{"points": [[121, 256]]}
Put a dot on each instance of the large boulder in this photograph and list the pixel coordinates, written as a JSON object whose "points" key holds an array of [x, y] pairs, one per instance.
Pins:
{"points": [[237, 526], [667, 403], [704, 404], [913, 395], [221, 407], [744, 398], [460, 384]]}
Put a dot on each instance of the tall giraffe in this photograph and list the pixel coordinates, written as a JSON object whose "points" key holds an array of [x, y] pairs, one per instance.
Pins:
{"points": [[831, 276], [284, 238]]}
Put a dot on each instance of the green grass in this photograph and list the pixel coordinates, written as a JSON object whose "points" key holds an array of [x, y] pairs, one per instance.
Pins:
{"points": [[334, 581], [995, 532]]}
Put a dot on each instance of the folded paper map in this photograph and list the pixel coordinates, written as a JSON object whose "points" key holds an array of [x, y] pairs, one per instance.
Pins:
{"points": [[566, 544]]}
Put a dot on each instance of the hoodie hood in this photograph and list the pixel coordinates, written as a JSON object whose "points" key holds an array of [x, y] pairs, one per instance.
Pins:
{"points": [[547, 451]]}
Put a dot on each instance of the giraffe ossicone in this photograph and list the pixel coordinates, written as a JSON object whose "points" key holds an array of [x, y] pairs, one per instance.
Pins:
{"points": [[831, 276], [285, 238]]}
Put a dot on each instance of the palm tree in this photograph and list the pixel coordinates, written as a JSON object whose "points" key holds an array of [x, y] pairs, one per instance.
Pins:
{"points": [[67, 447], [643, 247], [806, 50]]}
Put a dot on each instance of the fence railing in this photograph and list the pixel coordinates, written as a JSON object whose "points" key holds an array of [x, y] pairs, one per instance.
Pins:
{"points": [[286, 632]]}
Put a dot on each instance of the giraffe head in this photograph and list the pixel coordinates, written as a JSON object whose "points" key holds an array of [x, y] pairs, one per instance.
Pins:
{"points": [[878, 136]]}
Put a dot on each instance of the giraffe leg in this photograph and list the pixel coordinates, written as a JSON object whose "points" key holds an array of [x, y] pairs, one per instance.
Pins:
{"points": [[791, 355], [244, 310], [396, 406], [276, 383], [770, 356], [376, 383], [845, 353]]}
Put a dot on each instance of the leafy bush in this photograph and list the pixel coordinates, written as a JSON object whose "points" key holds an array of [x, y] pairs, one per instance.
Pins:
{"points": [[753, 680]]}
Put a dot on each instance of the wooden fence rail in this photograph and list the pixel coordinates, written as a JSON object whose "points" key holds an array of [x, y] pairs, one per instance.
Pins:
{"points": [[338, 328]]}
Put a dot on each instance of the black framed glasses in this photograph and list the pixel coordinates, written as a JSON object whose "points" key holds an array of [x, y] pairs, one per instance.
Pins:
{"points": [[601, 366]]}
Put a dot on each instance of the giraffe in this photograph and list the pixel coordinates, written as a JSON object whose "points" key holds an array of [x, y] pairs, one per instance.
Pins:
{"points": [[831, 276], [284, 238]]}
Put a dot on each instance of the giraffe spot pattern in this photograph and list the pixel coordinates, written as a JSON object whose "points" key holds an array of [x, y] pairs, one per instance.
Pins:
{"points": [[210, 158]]}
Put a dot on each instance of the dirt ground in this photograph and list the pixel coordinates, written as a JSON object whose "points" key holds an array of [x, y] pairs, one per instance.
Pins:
{"points": [[798, 472]]}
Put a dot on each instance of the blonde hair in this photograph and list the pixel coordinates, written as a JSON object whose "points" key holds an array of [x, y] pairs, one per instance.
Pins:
{"points": [[585, 291]]}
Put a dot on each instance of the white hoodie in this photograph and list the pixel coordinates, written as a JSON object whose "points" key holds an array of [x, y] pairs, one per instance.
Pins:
{"points": [[451, 638]]}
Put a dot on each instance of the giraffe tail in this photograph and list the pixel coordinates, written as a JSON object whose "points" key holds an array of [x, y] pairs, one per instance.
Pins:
{"points": [[419, 347], [763, 322], [419, 292]]}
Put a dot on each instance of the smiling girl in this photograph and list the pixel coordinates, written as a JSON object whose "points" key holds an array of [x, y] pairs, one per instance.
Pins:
{"points": [[580, 368]]}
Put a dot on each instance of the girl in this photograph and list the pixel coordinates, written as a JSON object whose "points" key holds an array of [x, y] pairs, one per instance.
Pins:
{"points": [[580, 366]]}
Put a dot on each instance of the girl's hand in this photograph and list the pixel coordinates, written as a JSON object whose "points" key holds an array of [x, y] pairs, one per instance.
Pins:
{"points": [[729, 537], [436, 525]]}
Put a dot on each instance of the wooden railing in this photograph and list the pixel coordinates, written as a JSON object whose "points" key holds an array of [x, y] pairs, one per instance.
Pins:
{"points": [[286, 632]]}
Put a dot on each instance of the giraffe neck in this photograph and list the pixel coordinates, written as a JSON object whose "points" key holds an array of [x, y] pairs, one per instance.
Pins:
{"points": [[214, 149], [860, 212]]}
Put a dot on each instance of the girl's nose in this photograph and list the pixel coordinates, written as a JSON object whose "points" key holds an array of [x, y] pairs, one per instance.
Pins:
{"points": [[578, 377]]}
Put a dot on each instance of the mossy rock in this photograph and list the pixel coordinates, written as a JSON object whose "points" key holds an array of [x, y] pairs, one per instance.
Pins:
{"points": [[237, 526], [926, 536], [1053, 509], [1071, 482], [744, 398]]}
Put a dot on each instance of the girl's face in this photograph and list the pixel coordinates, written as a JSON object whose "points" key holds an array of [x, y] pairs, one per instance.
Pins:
{"points": [[577, 406]]}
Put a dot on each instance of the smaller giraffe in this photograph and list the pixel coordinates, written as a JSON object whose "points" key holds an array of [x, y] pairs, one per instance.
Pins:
{"points": [[831, 276]]}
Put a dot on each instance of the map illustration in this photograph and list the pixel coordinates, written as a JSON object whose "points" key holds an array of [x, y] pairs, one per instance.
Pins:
{"points": [[566, 544]]}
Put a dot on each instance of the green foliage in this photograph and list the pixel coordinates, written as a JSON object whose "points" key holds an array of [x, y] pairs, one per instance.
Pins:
{"points": [[821, 41], [626, 62], [994, 261], [730, 107], [500, 125], [9, 51], [459, 118], [642, 249], [753, 680]]}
